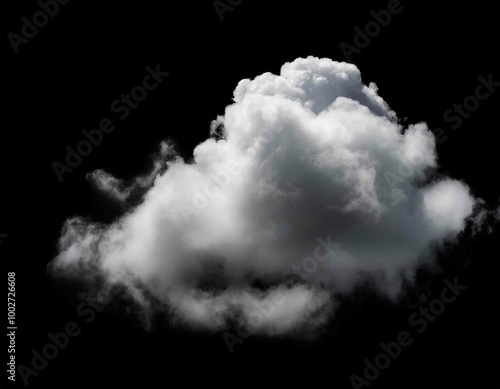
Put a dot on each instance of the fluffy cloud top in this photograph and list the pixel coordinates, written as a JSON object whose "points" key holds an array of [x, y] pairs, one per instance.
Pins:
{"points": [[307, 188]]}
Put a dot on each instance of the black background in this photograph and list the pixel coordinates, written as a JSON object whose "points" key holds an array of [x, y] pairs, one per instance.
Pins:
{"points": [[64, 80]]}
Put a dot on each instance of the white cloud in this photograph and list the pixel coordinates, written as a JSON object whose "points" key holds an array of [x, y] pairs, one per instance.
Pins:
{"points": [[121, 190], [297, 157], [447, 204]]}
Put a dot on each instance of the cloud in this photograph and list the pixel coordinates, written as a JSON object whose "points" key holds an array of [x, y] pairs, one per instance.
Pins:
{"points": [[288, 204], [447, 204], [121, 190]]}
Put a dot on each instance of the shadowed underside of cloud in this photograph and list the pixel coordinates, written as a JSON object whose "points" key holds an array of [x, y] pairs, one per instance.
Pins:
{"points": [[307, 188]]}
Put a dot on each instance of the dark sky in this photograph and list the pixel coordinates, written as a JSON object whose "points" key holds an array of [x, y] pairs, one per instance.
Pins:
{"points": [[64, 80]]}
